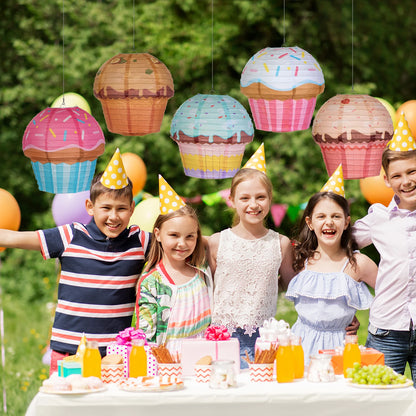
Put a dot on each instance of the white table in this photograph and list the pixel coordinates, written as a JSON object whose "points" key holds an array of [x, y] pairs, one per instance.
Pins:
{"points": [[299, 398]]}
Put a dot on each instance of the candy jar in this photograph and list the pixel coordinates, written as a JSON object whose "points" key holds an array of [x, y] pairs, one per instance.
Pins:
{"points": [[137, 359], [351, 352], [222, 374], [320, 368], [91, 364]]}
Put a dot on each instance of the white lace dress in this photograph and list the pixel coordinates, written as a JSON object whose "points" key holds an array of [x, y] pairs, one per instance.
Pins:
{"points": [[246, 280]]}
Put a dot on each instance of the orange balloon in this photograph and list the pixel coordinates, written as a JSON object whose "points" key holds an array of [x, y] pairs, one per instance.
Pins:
{"points": [[9, 212], [409, 109], [136, 170], [375, 190]]}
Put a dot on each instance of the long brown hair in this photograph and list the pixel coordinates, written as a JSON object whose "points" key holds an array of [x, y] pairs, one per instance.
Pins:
{"points": [[197, 258], [306, 244]]}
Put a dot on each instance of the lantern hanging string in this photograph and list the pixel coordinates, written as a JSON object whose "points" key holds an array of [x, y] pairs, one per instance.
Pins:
{"points": [[63, 54], [284, 23], [352, 45], [212, 46], [3, 354], [133, 35]]}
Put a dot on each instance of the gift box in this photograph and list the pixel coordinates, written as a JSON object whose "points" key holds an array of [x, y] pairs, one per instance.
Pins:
{"points": [[368, 356], [194, 349], [122, 346]]}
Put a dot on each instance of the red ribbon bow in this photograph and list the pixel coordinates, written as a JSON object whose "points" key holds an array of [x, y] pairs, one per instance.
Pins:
{"points": [[217, 333]]}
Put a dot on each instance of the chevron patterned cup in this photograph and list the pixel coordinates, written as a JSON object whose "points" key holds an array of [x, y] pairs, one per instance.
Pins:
{"points": [[170, 369], [261, 372], [112, 373], [202, 373]]}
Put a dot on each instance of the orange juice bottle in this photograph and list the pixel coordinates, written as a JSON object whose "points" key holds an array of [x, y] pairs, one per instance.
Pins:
{"points": [[298, 355], [285, 369], [137, 359], [351, 352], [91, 363]]}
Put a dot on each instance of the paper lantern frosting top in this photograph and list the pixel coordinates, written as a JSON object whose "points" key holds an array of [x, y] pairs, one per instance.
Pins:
{"points": [[63, 145], [212, 132], [133, 89], [282, 85]]}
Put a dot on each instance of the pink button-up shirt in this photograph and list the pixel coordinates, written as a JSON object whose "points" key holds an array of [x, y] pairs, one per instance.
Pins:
{"points": [[393, 232]]}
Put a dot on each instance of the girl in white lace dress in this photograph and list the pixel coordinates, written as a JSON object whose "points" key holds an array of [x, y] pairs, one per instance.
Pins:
{"points": [[329, 287], [246, 261]]}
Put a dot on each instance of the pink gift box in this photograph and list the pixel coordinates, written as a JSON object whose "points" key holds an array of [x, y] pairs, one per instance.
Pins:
{"points": [[124, 351], [194, 349]]}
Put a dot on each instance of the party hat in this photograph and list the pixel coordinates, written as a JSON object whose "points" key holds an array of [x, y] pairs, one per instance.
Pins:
{"points": [[402, 140], [114, 176], [168, 199], [257, 161], [335, 183]]}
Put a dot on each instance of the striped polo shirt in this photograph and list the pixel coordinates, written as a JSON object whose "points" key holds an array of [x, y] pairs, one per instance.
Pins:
{"points": [[97, 285]]}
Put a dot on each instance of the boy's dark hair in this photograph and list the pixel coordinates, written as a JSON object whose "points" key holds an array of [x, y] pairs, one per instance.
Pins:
{"points": [[307, 242], [97, 189], [391, 155]]}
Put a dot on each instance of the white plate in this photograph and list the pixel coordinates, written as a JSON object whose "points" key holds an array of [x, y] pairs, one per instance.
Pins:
{"points": [[71, 392], [380, 386]]}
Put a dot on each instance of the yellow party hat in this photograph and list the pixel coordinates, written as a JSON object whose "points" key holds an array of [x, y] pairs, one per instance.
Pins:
{"points": [[114, 176], [169, 200], [402, 140], [257, 161], [335, 183]]}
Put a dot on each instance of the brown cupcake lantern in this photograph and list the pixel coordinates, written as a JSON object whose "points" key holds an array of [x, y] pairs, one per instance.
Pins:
{"points": [[133, 89], [352, 130]]}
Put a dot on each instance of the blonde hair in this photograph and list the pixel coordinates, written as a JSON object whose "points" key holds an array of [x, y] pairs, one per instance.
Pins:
{"points": [[391, 155], [197, 258], [245, 175]]}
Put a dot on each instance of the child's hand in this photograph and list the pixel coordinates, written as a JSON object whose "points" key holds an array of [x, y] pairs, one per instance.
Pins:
{"points": [[352, 328]]}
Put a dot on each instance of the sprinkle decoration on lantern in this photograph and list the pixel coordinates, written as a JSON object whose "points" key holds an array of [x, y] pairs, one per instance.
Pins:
{"points": [[63, 145], [133, 89], [282, 85], [211, 132], [353, 130]]}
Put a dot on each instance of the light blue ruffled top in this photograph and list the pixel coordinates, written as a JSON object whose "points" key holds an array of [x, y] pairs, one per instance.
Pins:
{"points": [[326, 304]]}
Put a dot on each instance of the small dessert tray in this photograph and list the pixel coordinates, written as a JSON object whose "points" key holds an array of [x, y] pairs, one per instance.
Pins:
{"points": [[70, 392], [151, 384]]}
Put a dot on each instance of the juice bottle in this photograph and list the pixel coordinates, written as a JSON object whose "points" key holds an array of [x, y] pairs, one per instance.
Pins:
{"points": [[137, 359], [285, 369], [298, 356], [91, 363], [351, 353]]}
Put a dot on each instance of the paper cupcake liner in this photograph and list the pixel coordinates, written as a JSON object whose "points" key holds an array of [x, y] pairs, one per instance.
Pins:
{"points": [[211, 161], [63, 178], [282, 115], [359, 160], [173, 370], [134, 116], [261, 372]]}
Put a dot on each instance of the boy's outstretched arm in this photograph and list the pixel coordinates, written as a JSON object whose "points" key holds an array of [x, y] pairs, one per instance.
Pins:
{"points": [[27, 240]]}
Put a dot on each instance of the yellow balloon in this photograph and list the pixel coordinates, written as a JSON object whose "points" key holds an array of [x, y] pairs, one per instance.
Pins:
{"points": [[389, 108], [72, 99], [145, 214]]}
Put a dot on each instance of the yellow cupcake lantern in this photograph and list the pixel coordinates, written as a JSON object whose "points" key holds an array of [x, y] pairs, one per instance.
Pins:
{"points": [[169, 200], [335, 183], [402, 140], [114, 176], [257, 160]]}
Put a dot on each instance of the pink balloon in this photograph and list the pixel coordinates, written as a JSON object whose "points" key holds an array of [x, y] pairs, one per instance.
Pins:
{"points": [[67, 208]]}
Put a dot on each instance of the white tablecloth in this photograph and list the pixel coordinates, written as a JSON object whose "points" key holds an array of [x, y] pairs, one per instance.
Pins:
{"points": [[300, 398]]}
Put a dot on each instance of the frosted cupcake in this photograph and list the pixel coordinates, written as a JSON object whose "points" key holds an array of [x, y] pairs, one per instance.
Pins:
{"points": [[281, 85], [133, 89], [63, 145], [353, 130], [212, 132]]}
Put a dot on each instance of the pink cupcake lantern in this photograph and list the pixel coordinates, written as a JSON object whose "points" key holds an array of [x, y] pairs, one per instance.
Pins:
{"points": [[212, 132], [281, 85], [352, 130], [63, 145]]}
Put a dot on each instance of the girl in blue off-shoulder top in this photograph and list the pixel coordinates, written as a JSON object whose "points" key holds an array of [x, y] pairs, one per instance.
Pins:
{"points": [[332, 275]]}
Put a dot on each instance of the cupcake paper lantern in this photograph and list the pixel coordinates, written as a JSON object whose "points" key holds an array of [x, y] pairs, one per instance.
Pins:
{"points": [[212, 132], [133, 89], [353, 130], [282, 85], [63, 145]]}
